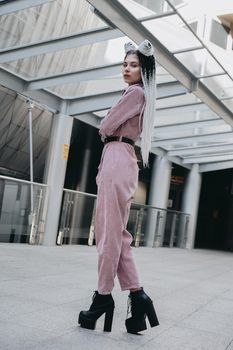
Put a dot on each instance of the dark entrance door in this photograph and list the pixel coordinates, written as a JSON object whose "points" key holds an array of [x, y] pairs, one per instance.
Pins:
{"points": [[215, 224]]}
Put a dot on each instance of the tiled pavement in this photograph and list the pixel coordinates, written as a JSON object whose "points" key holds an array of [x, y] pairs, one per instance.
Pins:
{"points": [[42, 290]]}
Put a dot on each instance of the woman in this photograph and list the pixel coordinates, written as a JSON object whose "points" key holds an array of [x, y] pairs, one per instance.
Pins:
{"points": [[117, 180]]}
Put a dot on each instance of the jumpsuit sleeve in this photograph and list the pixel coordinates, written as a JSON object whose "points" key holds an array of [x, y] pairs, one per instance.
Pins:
{"points": [[127, 107]]}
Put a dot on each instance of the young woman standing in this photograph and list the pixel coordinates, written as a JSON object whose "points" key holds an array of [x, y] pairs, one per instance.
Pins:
{"points": [[130, 117]]}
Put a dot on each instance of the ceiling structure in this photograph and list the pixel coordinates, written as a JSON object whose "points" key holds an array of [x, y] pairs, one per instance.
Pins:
{"points": [[67, 54]]}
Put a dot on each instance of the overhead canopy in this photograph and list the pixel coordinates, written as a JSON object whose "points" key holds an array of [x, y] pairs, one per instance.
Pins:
{"points": [[67, 55]]}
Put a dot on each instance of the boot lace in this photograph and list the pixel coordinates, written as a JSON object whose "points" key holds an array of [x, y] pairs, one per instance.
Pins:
{"points": [[129, 306]]}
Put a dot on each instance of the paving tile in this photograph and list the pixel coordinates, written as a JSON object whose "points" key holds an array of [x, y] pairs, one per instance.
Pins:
{"points": [[209, 321], [221, 306], [14, 336], [15, 306], [82, 339], [177, 338], [43, 289]]}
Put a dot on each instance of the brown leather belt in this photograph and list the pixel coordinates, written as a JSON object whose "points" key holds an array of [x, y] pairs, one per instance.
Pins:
{"points": [[120, 139]]}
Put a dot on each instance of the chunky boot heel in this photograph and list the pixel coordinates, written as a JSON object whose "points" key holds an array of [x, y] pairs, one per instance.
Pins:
{"points": [[152, 317], [108, 320], [101, 304], [140, 305]]}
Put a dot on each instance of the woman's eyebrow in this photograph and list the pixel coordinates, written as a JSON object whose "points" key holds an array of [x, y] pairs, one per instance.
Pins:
{"points": [[130, 62]]}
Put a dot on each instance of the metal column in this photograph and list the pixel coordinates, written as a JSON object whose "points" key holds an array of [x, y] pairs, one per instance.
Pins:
{"points": [[158, 197], [190, 204], [55, 174]]}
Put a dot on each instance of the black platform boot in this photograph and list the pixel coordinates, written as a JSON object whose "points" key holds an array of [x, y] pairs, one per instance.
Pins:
{"points": [[141, 306], [101, 304]]}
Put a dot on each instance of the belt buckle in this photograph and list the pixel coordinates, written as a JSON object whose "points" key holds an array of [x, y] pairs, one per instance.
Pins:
{"points": [[120, 138]]}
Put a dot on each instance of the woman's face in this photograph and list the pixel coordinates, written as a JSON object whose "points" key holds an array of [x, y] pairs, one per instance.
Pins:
{"points": [[131, 69]]}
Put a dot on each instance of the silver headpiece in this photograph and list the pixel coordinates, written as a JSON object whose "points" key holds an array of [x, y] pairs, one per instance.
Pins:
{"points": [[129, 46], [145, 48]]}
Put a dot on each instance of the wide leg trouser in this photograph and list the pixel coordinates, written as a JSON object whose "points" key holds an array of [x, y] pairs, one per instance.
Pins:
{"points": [[117, 181]]}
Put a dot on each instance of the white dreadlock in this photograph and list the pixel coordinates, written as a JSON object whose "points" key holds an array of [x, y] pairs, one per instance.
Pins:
{"points": [[148, 117], [149, 82]]}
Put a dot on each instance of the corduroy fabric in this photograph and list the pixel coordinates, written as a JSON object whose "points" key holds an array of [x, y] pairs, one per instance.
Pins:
{"points": [[117, 181]]}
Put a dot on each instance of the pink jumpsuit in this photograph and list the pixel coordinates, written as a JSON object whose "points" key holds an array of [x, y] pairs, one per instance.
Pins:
{"points": [[117, 180]]}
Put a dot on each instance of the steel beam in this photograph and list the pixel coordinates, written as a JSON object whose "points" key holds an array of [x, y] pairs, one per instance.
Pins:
{"points": [[9, 6], [176, 160], [58, 44], [92, 103], [129, 25], [74, 77], [18, 84], [189, 125], [184, 109], [90, 119], [190, 151], [104, 101], [228, 135], [215, 166], [212, 158]]}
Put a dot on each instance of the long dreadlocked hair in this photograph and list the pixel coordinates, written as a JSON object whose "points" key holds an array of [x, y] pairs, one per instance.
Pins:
{"points": [[148, 75]]}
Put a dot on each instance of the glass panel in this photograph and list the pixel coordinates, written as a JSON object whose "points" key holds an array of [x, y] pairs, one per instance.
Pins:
{"points": [[218, 34], [155, 227], [92, 87], [177, 3], [58, 18], [77, 218], [172, 32], [199, 62], [221, 86], [162, 76], [17, 225], [185, 118], [70, 60], [229, 103], [144, 8], [225, 57], [181, 100], [176, 229]]}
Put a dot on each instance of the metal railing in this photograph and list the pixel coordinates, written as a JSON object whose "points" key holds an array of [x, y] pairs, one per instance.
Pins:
{"points": [[149, 226], [17, 222]]}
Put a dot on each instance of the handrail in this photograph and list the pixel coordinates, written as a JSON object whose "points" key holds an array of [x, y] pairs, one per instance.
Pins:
{"points": [[152, 207], [80, 192], [22, 181], [146, 206]]}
